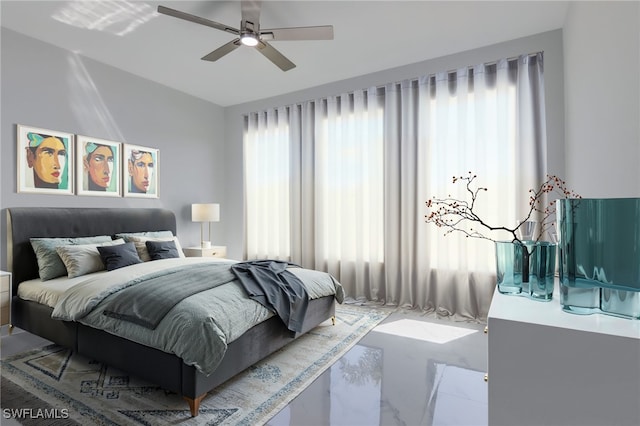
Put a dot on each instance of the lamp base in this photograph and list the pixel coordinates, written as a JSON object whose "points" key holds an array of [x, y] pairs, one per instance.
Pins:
{"points": [[205, 244]]}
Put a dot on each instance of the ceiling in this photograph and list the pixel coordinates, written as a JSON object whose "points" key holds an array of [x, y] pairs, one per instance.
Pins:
{"points": [[369, 36]]}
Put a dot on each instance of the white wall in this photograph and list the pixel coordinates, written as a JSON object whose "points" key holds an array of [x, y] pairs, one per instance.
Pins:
{"points": [[602, 98], [549, 42]]}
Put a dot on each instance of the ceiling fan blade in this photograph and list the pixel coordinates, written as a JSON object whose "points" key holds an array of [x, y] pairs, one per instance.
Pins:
{"points": [[251, 11], [222, 50], [323, 32], [274, 56], [197, 20]]}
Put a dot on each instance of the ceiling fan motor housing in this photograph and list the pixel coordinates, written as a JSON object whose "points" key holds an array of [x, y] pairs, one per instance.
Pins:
{"points": [[249, 33]]}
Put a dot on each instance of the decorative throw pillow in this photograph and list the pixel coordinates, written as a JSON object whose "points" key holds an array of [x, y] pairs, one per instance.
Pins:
{"points": [[50, 264], [83, 259], [162, 249], [119, 256], [141, 246]]}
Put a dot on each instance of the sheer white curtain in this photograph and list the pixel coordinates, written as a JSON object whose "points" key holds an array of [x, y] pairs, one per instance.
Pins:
{"points": [[267, 178], [345, 232], [363, 165]]}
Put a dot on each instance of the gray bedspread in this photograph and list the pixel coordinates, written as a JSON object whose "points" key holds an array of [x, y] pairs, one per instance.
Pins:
{"points": [[147, 300]]}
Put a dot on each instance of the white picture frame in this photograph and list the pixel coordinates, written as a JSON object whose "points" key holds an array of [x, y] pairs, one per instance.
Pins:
{"points": [[140, 167], [44, 161], [98, 167]]}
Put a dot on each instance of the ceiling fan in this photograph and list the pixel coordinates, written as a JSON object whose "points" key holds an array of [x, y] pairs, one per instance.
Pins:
{"points": [[250, 33]]}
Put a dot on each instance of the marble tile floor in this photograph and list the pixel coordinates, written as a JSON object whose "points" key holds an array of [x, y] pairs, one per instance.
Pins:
{"points": [[410, 370]]}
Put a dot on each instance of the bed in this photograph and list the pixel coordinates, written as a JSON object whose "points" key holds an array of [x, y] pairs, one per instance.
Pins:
{"points": [[167, 369]]}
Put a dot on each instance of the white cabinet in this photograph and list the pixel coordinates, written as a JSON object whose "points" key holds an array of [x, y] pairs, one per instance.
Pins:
{"points": [[213, 251], [549, 367]]}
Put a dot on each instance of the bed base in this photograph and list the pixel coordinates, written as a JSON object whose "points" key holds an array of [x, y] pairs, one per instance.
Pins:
{"points": [[164, 369]]}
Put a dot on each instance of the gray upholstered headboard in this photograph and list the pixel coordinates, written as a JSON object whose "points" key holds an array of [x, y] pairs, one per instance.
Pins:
{"points": [[24, 223]]}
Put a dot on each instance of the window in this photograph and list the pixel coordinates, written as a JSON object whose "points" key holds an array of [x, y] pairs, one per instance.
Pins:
{"points": [[346, 183], [349, 186], [267, 185]]}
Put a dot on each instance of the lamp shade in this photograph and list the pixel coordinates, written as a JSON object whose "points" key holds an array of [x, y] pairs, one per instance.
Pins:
{"points": [[209, 212]]}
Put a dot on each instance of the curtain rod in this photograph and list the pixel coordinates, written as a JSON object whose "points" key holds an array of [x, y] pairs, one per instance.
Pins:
{"points": [[382, 86], [451, 71]]}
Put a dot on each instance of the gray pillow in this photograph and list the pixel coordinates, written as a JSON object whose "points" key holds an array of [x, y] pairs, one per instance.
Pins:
{"points": [[83, 259], [49, 263], [141, 246], [119, 256]]}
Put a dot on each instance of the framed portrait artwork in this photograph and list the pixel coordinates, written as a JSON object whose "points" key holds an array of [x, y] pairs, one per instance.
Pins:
{"points": [[44, 161], [98, 167], [141, 169]]}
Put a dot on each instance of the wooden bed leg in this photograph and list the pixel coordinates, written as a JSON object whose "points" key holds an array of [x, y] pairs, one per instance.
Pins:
{"points": [[333, 320], [194, 404]]}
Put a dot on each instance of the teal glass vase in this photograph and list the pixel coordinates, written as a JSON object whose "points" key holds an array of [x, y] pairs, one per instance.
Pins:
{"points": [[526, 268], [600, 256]]}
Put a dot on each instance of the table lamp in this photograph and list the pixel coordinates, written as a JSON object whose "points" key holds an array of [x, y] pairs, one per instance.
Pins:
{"points": [[209, 212]]}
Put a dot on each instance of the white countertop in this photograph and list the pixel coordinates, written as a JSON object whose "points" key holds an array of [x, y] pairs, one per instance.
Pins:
{"points": [[523, 309]]}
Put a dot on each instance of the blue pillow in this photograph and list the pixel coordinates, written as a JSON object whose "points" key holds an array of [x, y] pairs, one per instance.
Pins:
{"points": [[162, 249], [115, 257]]}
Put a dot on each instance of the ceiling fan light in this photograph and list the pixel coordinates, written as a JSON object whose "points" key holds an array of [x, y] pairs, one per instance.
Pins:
{"points": [[249, 39]]}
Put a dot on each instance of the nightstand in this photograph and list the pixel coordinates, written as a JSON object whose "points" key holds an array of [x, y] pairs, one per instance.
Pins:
{"points": [[213, 251], [5, 298]]}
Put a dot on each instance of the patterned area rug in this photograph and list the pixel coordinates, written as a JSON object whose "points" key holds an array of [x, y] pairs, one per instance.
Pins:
{"points": [[53, 382]]}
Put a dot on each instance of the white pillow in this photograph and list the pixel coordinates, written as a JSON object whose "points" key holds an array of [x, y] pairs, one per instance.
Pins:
{"points": [[83, 259], [147, 234], [141, 246]]}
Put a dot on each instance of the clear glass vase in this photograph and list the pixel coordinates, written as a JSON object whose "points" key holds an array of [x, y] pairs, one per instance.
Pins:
{"points": [[599, 256], [526, 269]]}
